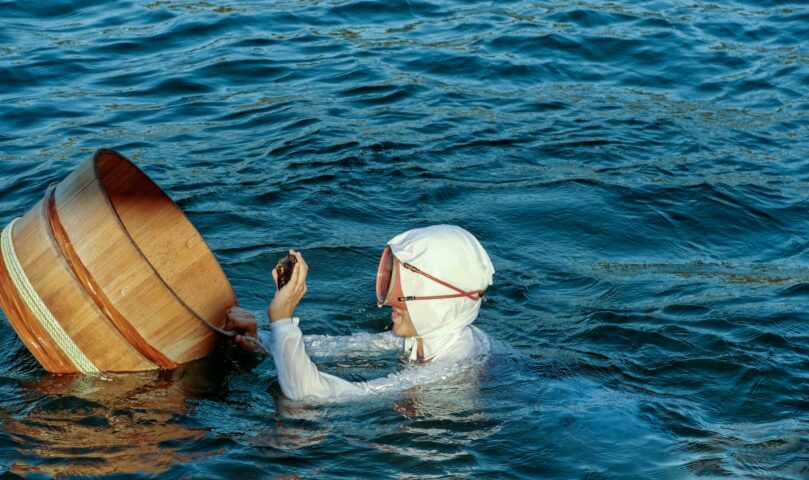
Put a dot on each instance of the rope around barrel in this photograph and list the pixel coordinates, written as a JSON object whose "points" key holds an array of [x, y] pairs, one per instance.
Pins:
{"points": [[37, 307]]}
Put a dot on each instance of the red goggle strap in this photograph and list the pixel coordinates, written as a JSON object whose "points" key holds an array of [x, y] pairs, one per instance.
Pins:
{"points": [[474, 294]]}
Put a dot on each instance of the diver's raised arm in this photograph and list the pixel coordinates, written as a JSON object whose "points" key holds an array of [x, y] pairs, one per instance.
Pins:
{"points": [[297, 374]]}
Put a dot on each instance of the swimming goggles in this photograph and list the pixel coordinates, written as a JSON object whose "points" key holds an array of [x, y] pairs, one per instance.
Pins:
{"points": [[389, 285]]}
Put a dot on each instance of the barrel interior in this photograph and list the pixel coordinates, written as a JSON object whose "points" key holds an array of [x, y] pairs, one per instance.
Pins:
{"points": [[165, 237]]}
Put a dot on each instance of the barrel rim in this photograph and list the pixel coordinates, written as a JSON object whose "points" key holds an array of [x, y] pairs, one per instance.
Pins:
{"points": [[108, 151]]}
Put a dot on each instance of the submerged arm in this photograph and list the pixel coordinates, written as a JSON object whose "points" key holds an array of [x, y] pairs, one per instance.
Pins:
{"points": [[361, 343]]}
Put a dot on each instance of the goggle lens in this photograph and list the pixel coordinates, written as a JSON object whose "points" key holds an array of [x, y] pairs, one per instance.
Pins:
{"points": [[383, 275], [388, 288]]}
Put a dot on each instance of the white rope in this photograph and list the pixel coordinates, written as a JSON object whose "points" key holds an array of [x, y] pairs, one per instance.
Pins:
{"points": [[35, 304]]}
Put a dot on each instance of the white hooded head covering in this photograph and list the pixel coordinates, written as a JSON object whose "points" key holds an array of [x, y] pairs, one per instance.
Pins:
{"points": [[455, 256]]}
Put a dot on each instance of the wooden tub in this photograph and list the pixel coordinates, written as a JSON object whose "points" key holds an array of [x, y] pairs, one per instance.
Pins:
{"points": [[106, 274]]}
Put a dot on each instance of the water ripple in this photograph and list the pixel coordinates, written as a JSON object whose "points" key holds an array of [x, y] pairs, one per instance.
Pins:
{"points": [[637, 170]]}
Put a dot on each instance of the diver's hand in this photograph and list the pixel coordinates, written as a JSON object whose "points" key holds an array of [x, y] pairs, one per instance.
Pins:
{"points": [[286, 299], [244, 323]]}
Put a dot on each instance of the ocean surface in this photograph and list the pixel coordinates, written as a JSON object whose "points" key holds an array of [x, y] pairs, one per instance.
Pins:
{"points": [[637, 170]]}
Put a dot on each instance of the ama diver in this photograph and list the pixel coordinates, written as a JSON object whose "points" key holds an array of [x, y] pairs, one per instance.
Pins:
{"points": [[433, 278]]}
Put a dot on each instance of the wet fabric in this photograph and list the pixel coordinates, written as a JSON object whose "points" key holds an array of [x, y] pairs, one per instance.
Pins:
{"points": [[300, 378], [449, 339]]}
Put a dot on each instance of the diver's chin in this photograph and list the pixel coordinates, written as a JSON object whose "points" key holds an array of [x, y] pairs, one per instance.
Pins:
{"points": [[397, 318]]}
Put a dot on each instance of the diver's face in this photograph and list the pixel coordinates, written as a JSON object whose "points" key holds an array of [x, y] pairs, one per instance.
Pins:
{"points": [[402, 325]]}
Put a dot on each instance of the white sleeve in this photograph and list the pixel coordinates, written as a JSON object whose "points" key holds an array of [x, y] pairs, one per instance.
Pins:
{"points": [[298, 376]]}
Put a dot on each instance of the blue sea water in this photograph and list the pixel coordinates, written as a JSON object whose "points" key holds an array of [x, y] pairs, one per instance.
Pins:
{"points": [[637, 170]]}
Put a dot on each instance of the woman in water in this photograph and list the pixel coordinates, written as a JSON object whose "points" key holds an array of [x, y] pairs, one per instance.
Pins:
{"points": [[433, 278]]}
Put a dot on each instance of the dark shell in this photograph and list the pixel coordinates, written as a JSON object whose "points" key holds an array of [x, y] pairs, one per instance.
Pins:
{"points": [[284, 269]]}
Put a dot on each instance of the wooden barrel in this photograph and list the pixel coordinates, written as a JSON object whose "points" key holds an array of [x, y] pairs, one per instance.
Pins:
{"points": [[106, 274]]}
